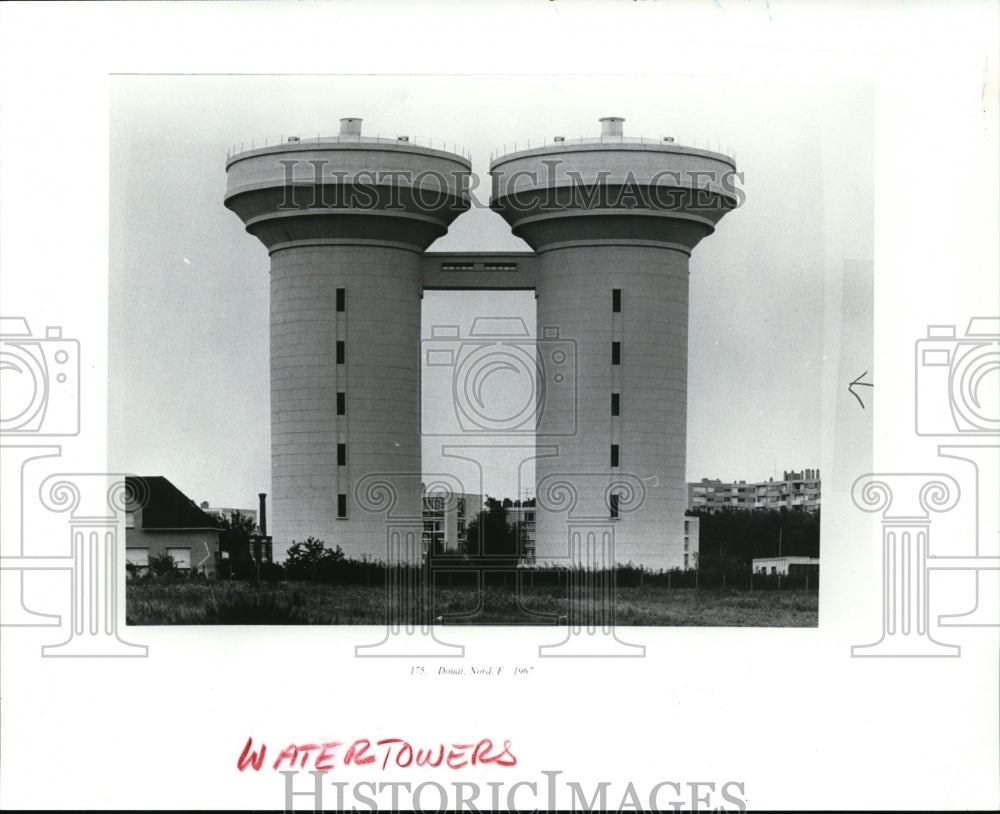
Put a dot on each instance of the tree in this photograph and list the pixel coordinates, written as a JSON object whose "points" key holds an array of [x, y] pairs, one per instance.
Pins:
{"points": [[234, 540], [312, 559], [729, 539], [490, 535]]}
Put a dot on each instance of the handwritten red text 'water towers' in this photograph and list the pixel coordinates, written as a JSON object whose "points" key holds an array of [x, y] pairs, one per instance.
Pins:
{"points": [[612, 221]]}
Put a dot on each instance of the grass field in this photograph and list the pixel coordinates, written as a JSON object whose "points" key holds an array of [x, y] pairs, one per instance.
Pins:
{"points": [[239, 603]]}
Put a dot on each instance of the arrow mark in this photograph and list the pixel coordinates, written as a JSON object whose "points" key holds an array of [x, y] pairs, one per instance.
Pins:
{"points": [[858, 383]]}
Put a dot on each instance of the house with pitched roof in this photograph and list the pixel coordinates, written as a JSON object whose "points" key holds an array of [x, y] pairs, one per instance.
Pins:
{"points": [[161, 519]]}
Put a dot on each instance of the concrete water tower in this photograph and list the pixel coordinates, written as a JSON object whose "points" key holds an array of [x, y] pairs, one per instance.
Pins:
{"points": [[614, 220], [345, 220]]}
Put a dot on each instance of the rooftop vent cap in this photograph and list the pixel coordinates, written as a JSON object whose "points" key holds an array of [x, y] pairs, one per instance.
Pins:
{"points": [[350, 127], [611, 127]]}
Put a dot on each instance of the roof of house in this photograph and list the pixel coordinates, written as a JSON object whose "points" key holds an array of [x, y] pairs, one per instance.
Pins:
{"points": [[164, 506]]}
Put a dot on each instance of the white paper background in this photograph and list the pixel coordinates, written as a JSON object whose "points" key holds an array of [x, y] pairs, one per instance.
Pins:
{"points": [[788, 713]]}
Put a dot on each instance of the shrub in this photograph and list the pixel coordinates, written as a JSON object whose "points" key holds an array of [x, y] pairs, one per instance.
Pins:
{"points": [[272, 573], [162, 565], [313, 560]]}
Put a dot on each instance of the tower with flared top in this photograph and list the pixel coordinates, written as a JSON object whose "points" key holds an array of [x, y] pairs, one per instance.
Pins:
{"points": [[614, 221], [345, 220]]}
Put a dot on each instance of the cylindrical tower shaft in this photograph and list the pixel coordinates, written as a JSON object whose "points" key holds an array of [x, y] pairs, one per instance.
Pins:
{"points": [[614, 221], [345, 386], [630, 413], [345, 220]]}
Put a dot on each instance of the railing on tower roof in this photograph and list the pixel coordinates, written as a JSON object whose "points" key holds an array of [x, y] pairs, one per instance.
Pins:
{"points": [[689, 142], [320, 140]]}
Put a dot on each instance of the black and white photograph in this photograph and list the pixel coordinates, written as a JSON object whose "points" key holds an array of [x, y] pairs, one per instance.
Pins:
{"points": [[516, 379], [541, 405]]}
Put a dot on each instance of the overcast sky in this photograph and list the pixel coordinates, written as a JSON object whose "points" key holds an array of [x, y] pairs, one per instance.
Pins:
{"points": [[189, 287]]}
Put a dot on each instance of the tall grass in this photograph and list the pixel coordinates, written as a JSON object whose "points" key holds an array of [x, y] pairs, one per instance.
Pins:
{"points": [[301, 603]]}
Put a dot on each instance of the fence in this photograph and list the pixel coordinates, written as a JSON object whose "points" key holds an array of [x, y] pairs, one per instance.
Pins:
{"points": [[691, 142], [474, 572], [320, 140]]}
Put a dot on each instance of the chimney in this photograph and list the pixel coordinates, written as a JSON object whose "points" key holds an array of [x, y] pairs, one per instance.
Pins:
{"points": [[262, 517], [350, 127], [611, 127]]}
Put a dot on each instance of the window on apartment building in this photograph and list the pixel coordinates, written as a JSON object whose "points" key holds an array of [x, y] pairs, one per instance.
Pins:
{"points": [[130, 520], [340, 351], [341, 505], [614, 454], [616, 353], [341, 403], [616, 404], [341, 300], [341, 454], [614, 505], [616, 300]]}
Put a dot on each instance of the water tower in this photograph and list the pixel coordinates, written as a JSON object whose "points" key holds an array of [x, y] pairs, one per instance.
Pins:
{"points": [[614, 221], [345, 220]]}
